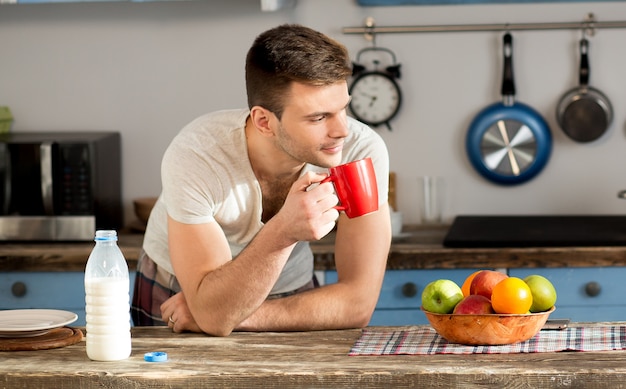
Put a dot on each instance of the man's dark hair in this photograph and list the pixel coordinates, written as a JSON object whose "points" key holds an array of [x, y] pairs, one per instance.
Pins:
{"points": [[292, 53]]}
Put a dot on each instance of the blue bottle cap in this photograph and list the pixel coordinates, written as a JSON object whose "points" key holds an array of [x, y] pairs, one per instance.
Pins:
{"points": [[157, 356]]}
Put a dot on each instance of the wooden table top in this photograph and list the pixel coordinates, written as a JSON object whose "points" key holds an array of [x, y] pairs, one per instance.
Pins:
{"points": [[417, 248], [296, 359]]}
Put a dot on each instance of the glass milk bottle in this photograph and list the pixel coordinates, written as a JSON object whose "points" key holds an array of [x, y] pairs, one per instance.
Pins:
{"points": [[107, 300]]}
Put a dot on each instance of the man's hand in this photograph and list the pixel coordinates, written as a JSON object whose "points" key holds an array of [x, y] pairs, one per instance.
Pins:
{"points": [[176, 313], [308, 212]]}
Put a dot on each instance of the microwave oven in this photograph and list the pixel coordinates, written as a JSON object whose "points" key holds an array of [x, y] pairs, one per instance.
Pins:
{"points": [[59, 186]]}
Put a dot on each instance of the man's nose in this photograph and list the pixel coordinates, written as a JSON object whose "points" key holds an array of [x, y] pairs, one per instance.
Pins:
{"points": [[338, 127]]}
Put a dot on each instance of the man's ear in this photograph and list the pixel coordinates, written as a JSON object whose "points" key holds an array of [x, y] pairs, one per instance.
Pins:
{"points": [[261, 118]]}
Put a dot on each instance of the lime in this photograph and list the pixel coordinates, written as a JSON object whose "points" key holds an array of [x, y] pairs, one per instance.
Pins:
{"points": [[544, 294]]}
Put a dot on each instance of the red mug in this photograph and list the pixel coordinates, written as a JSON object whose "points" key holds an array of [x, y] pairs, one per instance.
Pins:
{"points": [[356, 187]]}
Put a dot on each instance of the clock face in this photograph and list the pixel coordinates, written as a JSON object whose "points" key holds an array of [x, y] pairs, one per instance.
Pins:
{"points": [[375, 98]]}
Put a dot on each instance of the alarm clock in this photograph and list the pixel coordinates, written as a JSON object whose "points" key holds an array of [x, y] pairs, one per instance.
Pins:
{"points": [[375, 95]]}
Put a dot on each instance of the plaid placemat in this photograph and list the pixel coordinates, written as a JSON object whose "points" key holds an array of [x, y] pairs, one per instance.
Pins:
{"points": [[424, 340]]}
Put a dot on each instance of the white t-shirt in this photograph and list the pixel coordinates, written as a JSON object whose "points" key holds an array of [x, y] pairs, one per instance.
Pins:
{"points": [[207, 177]]}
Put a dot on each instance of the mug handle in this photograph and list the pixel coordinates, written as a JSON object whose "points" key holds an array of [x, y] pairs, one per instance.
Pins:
{"points": [[337, 207]]}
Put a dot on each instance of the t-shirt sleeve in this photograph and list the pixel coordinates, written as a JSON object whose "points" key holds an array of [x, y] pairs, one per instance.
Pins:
{"points": [[188, 184]]}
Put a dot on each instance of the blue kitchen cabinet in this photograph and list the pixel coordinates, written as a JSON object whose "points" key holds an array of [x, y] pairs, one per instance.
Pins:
{"points": [[401, 294], [585, 294], [46, 290]]}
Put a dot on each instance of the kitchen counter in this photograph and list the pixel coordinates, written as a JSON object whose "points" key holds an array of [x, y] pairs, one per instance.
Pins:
{"points": [[422, 248], [296, 359], [61, 256], [417, 248]]}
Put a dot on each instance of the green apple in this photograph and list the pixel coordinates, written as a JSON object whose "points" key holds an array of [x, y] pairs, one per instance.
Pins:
{"points": [[441, 296], [544, 294]]}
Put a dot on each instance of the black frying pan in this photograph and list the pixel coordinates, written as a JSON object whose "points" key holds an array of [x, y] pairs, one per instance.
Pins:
{"points": [[508, 142], [584, 113]]}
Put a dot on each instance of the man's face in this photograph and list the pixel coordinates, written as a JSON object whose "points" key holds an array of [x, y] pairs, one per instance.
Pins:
{"points": [[314, 124]]}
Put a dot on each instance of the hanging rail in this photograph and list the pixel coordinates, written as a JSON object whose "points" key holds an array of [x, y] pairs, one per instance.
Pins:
{"points": [[589, 24]]}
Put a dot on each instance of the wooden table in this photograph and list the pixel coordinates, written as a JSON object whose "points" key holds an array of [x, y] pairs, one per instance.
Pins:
{"points": [[312, 359]]}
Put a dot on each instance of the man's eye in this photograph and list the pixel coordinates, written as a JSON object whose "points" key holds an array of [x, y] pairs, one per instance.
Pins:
{"points": [[318, 118]]}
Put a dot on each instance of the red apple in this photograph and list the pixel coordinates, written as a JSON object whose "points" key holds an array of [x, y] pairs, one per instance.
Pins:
{"points": [[484, 282], [474, 304]]}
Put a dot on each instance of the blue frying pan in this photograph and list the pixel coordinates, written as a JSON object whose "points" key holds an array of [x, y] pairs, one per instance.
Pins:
{"points": [[508, 142]]}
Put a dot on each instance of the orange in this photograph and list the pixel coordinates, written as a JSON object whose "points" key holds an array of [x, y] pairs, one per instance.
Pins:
{"points": [[468, 282], [511, 295]]}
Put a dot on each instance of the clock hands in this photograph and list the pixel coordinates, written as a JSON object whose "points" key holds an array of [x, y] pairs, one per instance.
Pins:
{"points": [[371, 97]]}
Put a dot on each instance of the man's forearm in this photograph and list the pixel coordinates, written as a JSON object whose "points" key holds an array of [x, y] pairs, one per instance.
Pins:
{"points": [[332, 306], [232, 292]]}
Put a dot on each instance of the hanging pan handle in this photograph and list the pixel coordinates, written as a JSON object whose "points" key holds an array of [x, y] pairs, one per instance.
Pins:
{"points": [[508, 84], [583, 76]]}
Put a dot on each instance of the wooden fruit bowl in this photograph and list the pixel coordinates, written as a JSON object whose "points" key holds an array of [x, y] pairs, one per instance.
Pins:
{"points": [[488, 329]]}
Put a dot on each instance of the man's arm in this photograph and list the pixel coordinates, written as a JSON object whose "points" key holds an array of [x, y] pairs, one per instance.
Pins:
{"points": [[361, 251], [219, 293]]}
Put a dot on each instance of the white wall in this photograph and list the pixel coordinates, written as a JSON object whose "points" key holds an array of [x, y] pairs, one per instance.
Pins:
{"points": [[146, 69]]}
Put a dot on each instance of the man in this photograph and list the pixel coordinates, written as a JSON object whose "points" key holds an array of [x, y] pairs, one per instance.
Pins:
{"points": [[226, 247]]}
